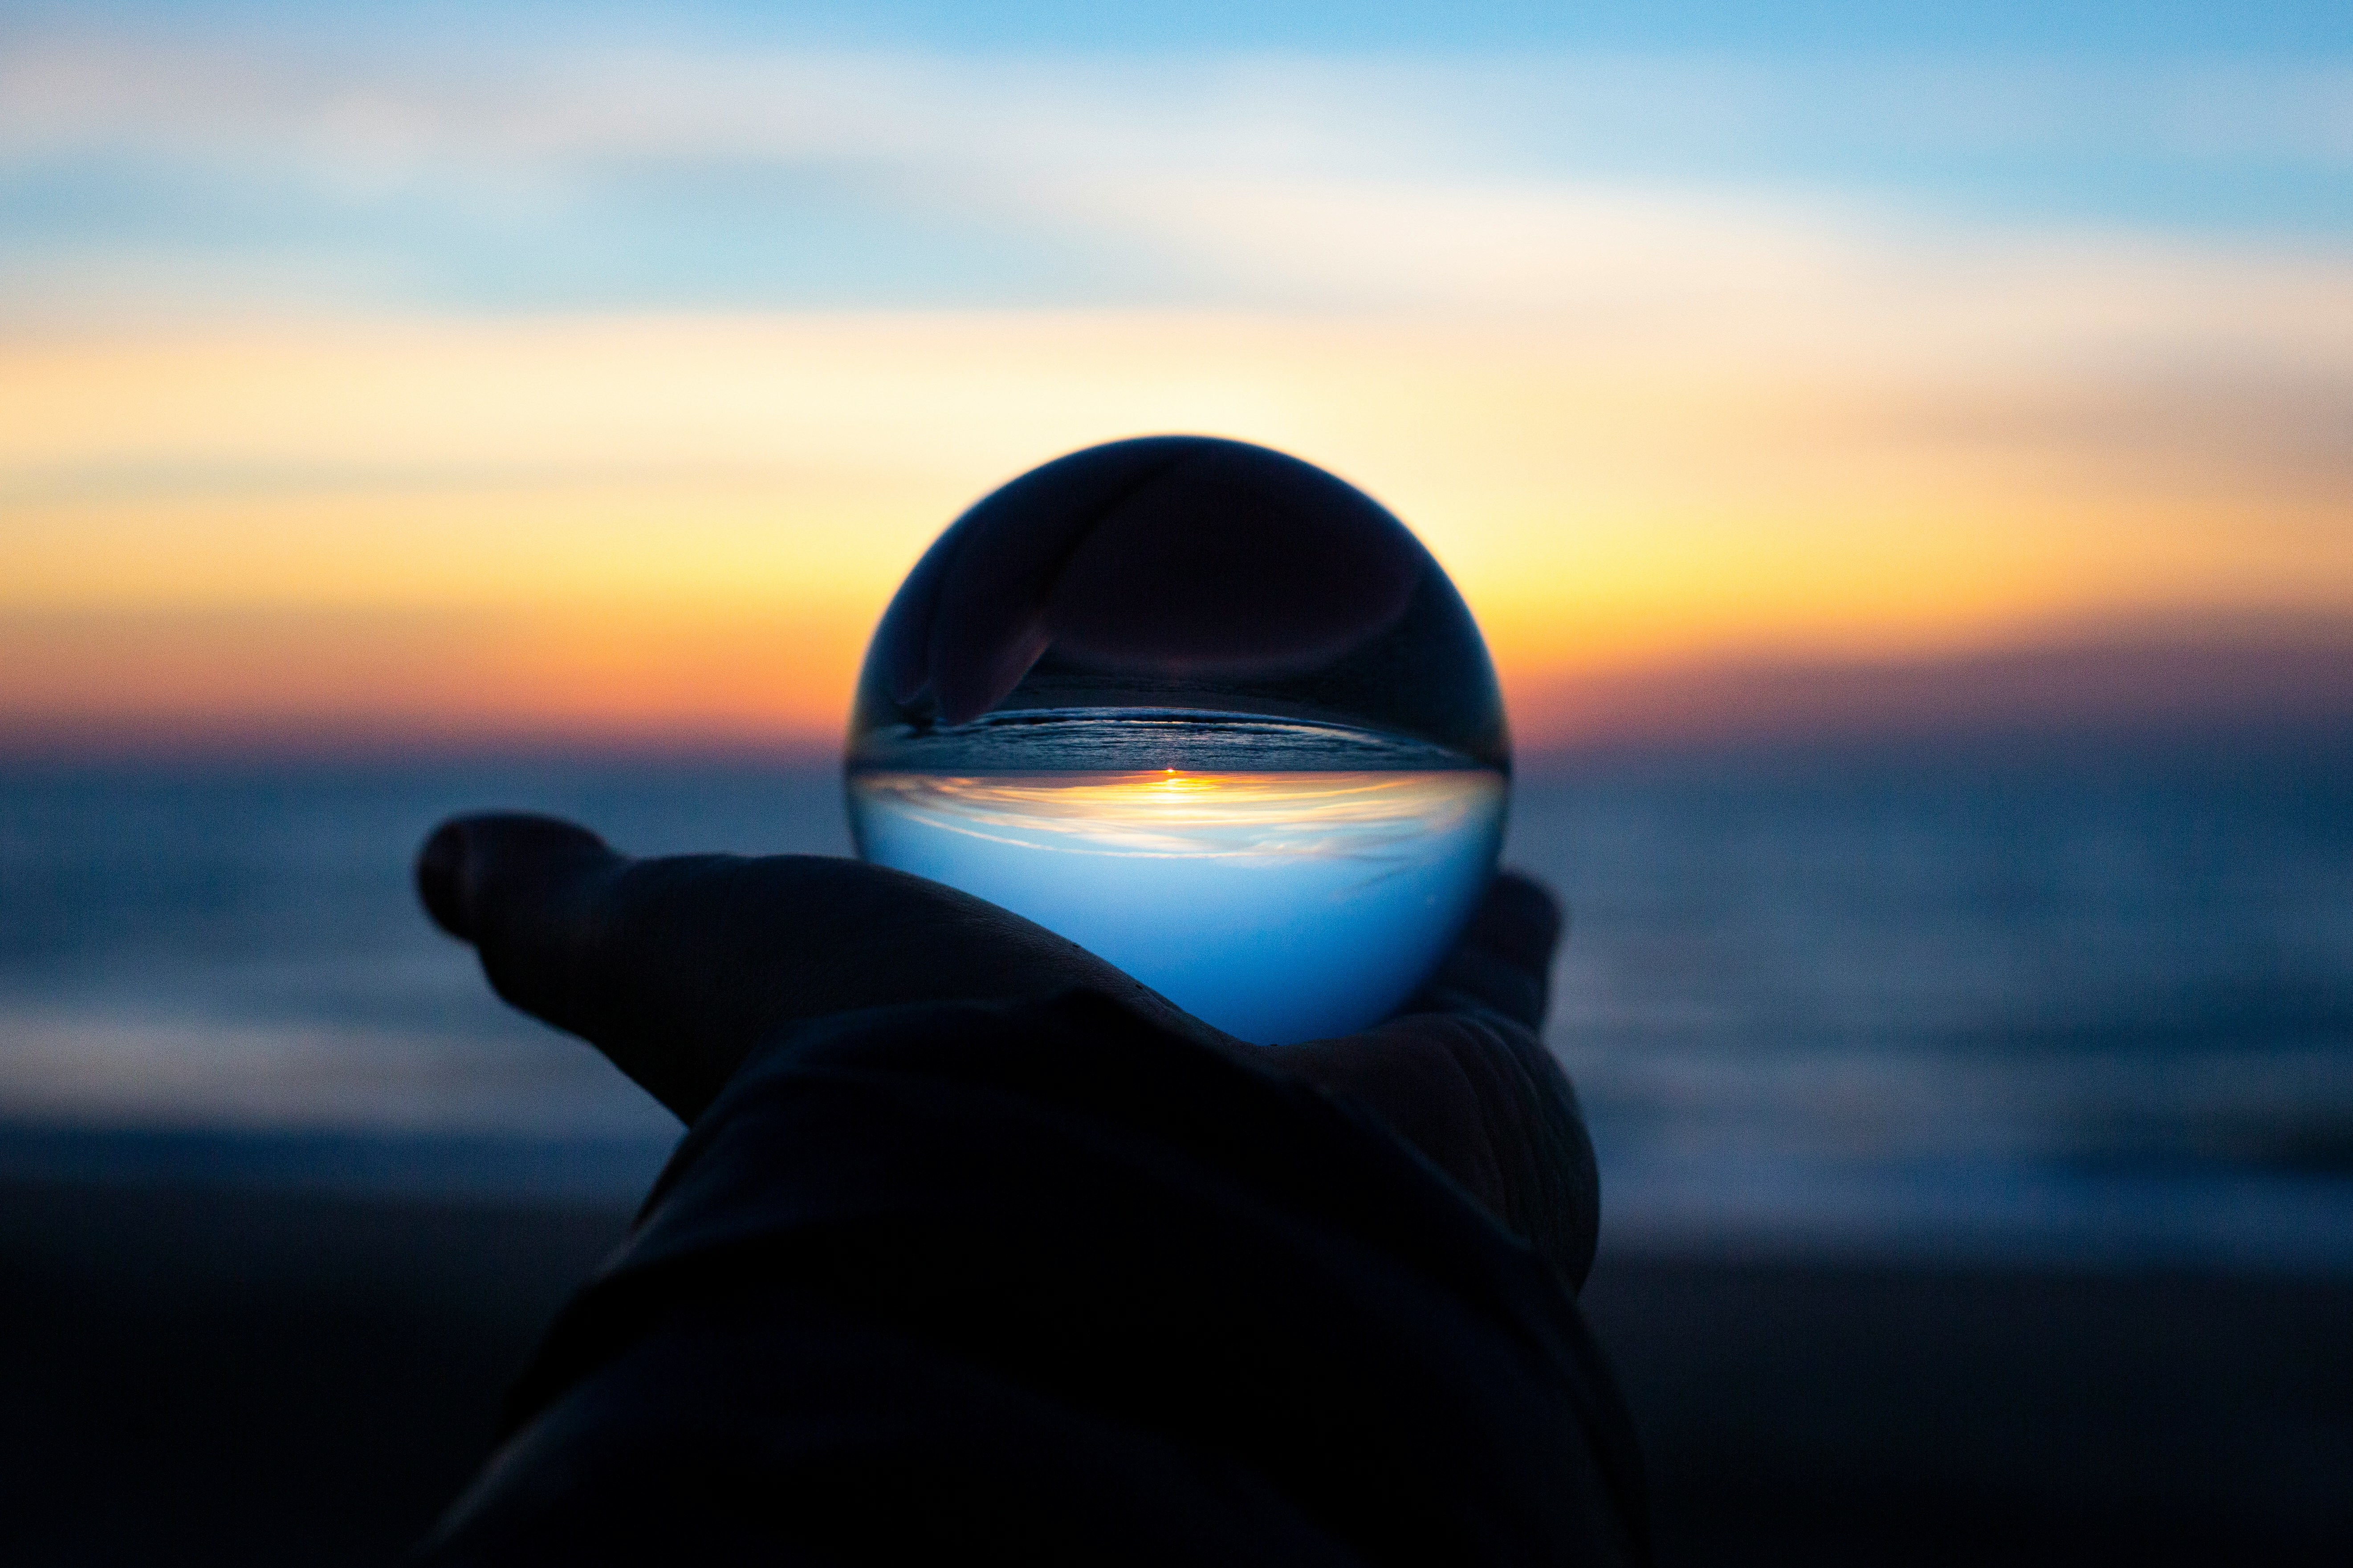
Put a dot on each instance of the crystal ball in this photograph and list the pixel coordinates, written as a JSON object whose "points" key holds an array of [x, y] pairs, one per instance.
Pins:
{"points": [[1207, 710]]}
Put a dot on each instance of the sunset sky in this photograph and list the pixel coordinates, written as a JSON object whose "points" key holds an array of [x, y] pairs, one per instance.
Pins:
{"points": [[504, 372]]}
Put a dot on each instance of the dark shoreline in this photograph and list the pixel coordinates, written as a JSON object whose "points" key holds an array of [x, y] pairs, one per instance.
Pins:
{"points": [[257, 1377]]}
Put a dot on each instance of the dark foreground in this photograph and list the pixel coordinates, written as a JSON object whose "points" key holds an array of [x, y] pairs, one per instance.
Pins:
{"points": [[264, 1378]]}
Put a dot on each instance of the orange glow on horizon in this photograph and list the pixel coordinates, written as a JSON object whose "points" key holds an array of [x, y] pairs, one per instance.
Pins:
{"points": [[687, 526]]}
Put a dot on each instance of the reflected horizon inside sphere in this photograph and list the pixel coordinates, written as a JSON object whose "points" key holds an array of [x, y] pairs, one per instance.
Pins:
{"points": [[1279, 904], [1203, 709]]}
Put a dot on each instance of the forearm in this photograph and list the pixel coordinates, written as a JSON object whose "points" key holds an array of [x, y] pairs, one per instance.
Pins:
{"points": [[1086, 1259]]}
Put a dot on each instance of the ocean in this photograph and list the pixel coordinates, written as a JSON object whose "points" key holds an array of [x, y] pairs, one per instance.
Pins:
{"points": [[2080, 1002]]}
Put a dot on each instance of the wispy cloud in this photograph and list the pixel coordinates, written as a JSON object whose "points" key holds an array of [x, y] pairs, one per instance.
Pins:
{"points": [[678, 177], [389, 110]]}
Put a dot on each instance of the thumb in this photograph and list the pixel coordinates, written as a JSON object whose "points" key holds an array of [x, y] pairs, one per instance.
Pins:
{"points": [[543, 901], [676, 968]]}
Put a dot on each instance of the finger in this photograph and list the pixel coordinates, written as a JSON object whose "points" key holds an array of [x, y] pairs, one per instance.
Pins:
{"points": [[1483, 1100], [1462, 1075], [1503, 961], [676, 968], [507, 853]]}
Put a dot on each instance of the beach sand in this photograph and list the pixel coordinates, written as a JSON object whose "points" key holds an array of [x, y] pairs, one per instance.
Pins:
{"points": [[257, 1377]]}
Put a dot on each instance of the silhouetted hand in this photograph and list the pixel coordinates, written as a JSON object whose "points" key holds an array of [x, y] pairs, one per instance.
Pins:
{"points": [[677, 968]]}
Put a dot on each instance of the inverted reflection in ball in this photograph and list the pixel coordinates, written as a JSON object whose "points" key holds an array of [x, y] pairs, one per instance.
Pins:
{"points": [[1203, 709]]}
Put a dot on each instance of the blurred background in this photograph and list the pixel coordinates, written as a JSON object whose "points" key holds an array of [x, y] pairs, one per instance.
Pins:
{"points": [[1901, 455]]}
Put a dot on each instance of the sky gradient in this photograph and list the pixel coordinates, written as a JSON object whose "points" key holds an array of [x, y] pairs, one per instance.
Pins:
{"points": [[501, 373]]}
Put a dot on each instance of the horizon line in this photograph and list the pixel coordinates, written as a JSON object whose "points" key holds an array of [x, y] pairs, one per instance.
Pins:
{"points": [[2133, 686]]}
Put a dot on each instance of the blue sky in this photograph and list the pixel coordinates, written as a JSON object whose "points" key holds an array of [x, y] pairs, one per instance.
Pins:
{"points": [[2102, 29], [504, 158]]}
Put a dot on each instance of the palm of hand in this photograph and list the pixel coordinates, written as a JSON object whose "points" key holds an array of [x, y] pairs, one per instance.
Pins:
{"points": [[676, 968]]}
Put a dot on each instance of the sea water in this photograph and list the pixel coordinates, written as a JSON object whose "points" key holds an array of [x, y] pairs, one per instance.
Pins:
{"points": [[1279, 903], [1946, 1000]]}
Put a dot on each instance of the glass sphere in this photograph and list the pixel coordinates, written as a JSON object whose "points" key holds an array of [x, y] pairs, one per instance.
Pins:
{"points": [[1203, 709]]}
